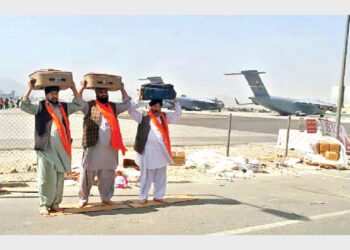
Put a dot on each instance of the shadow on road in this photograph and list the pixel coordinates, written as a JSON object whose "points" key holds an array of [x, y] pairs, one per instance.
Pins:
{"points": [[205, 201], [217, 200], [144, 210]]}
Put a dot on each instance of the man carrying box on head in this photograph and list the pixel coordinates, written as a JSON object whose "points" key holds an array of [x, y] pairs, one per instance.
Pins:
{"points": [[101, 141], [152, 145], [52, 143]]}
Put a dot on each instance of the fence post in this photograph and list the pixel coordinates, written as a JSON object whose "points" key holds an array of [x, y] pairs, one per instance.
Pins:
{"points": [[287, 139], [229, 136], [117, 157]]}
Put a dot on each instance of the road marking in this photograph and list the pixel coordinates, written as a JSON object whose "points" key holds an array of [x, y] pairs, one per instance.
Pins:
{"points": [[280, 224]]}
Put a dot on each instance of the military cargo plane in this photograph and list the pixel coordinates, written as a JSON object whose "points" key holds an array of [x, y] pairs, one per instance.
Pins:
{"points": [[189, 103], [283, 106]]}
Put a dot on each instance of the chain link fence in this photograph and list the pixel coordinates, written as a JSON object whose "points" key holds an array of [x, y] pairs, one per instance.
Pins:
{"points": [[190, 133]]}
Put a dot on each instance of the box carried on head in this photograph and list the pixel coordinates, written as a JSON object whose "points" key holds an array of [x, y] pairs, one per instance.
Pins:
{"points": [[52, 77], [97, 80], [157, 89]]}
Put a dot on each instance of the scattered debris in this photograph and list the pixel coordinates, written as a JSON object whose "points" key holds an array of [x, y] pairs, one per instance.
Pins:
{"points": [[225, 167], [129, 163], [30, 168], [121, 181], [317, 202], [70, 183], [132, 174], [297, 163], [72, 176], [13, 171], [76, 166], [4, 191]]}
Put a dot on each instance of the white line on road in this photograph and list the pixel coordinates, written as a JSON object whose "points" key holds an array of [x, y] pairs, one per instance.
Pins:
{"points": [[280, 224]]}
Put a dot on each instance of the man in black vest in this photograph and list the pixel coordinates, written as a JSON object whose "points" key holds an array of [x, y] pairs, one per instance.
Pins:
{"points": [[52, 143], [152, 145], [100, 156]]}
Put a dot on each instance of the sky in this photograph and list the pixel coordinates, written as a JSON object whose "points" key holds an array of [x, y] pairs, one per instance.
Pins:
{"points": [[301, 55]]}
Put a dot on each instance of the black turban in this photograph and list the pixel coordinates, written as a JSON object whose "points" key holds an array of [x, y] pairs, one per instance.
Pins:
{"points": [[51, 88], [155, 101]]}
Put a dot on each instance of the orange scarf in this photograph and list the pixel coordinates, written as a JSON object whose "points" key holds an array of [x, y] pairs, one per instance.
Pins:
{"points": [[109, 115], [66, 139], [163, 130]]}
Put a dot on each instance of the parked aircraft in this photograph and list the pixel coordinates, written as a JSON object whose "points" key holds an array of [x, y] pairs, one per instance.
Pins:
{"points": [[189, 103], [283, 106]]}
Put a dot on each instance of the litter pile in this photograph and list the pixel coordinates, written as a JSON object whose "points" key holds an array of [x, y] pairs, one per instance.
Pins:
{"points": [[326, 152], [227, 167], [123, 176], [132, 174]]}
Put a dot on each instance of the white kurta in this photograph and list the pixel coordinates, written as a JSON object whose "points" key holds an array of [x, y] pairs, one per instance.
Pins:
{"points": [[155, 157], [155, 154]]}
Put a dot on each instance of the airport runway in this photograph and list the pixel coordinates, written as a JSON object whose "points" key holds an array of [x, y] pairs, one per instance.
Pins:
{"points": [[253, 122], [249, 122]]}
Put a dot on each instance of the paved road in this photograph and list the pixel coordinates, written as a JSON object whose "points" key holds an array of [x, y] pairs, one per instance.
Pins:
{"points": [[262, 205], [241, 123]]}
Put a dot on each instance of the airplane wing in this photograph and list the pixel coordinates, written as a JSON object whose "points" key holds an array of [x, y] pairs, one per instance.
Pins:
{"points": [[205, 100], [318, 103]]}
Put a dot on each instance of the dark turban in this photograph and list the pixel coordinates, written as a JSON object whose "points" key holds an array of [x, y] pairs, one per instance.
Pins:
{"points": [[51, 88], [155, 101]]}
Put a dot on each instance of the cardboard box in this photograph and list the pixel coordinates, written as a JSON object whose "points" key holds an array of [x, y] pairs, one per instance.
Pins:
{"points": [[181, 154], [318, 148], [52, 77], [178, 158], [324, 146], [334, 147], [96, 80], [332, 156]]}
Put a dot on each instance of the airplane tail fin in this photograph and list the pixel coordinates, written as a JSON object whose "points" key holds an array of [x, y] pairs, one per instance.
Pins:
{"points": [[153, 79], [254, 81]]}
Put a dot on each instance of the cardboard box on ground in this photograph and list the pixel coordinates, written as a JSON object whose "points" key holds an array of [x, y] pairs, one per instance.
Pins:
{"points": [[178, 158], [328, 150]]}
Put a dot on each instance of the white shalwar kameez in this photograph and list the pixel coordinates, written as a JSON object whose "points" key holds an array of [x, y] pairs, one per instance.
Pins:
{"points": [[155, 157]]}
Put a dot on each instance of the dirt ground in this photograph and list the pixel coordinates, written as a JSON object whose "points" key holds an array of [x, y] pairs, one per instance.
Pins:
{"points": [[267, 154]]}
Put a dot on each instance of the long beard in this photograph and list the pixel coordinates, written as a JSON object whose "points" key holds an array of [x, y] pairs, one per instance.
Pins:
{"points": [[102, 99], [53, 102], [156, 113]]}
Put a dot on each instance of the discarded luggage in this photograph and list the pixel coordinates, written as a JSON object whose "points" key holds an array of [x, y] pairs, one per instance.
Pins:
{"points": [[52, 77], [96, 80]]}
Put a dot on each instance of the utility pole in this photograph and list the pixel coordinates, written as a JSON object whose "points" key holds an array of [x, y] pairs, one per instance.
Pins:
{"points": [[229, 136], [341, 84], [287, 137]]}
